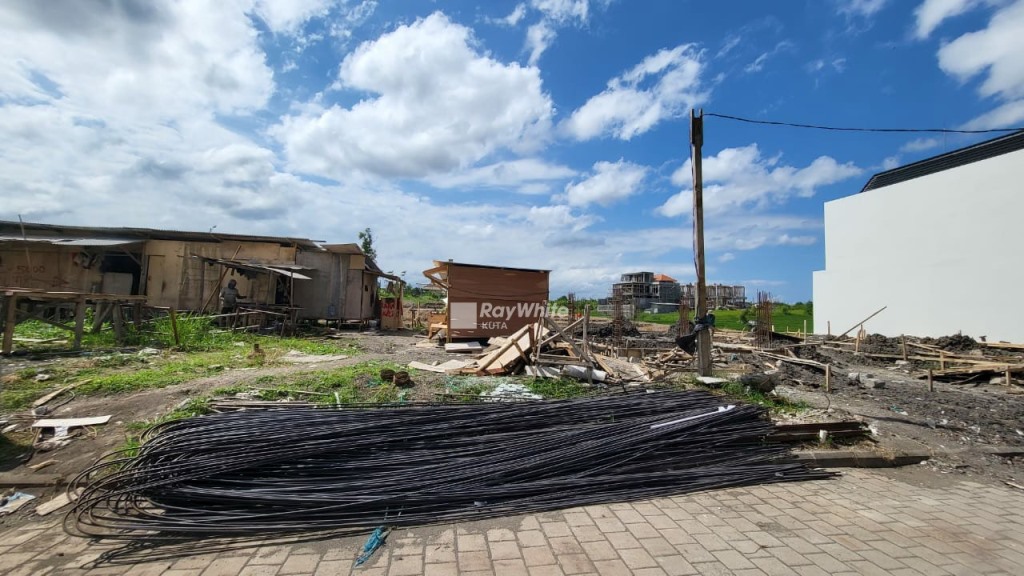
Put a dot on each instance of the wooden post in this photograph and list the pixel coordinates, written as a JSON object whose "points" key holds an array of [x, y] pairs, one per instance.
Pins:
{"points": [[828, 325], [117, 319], [1009, 382], [79, 321], [174, 326], [828, 377], [99, 313], [903, 341], [586, 329], [10, 321], [942, 360], [805, 327], [137, 316], [931, 382], [696, 151], [856, 346]]}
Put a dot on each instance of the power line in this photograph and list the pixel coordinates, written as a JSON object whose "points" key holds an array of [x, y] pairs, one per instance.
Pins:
{"points": [[848, 129]]}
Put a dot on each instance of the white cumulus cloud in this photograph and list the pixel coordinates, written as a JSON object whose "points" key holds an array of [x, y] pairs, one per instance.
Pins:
{"points": [[920, 145], [992, 53], [739, 178], [662, 86], [436, 104], [931, 13], [610, 182]]}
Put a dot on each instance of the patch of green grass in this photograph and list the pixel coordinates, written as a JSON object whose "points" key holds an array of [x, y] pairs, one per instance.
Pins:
{"points": [[785, 318], [39, 330], [557, 388], [770, 401], [356, 383], [160, 373]]}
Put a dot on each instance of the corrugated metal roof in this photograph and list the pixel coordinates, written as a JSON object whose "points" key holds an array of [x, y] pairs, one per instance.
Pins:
{"points": [[68, 241], [442, 262], [32, 229], [970, 154]]}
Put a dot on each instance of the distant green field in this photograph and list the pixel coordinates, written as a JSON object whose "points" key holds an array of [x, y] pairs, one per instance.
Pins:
{"points": [[785, 318]]}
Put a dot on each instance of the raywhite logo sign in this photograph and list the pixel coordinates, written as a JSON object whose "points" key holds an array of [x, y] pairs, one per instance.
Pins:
{"points": [[465, 316]]}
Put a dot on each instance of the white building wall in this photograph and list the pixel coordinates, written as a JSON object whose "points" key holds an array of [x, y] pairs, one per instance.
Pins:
{"points": [[944, 252]]}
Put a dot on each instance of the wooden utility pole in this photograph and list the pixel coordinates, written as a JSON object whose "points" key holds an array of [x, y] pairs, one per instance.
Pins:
{"points": [[704, 336]]}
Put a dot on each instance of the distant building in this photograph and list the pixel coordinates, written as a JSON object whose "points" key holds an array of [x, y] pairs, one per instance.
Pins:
{"points": [[658, 293]]}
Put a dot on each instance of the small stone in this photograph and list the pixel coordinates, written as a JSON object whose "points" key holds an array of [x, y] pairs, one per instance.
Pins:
{"points": [[42, 377], [854, 376], [873, 383], [902, 362], [997, 380], [149, 352]]}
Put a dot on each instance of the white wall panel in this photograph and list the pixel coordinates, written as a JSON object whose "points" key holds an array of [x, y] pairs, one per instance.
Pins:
{"points": [[944, 252]]}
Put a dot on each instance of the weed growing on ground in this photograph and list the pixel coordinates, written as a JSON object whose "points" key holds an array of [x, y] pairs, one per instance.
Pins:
{"points": [[770, 401], [348, 384], [557, 388]]}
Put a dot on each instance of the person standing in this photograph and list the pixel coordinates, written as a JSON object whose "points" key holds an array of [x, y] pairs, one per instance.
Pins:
{"points": [[229, 299]]}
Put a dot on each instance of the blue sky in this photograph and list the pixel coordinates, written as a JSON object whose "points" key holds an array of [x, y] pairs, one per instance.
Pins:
{"points": [[546, 133]]}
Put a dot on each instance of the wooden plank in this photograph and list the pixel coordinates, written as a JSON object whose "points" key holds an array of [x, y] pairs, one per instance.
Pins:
{"points": [[499, 362], [1004, 345], [861, 323], [463, 347], [43, 400], [57, 502], [558, 332], [493, 356], [978, 369], [70, 422]]}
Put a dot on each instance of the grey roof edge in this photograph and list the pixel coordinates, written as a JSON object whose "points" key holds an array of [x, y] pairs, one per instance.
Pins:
{"points": [[960, 157], [140, 234]]}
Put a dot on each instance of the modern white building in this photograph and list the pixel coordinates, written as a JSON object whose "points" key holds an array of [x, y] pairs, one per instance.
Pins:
{"points": [[939, 243]]}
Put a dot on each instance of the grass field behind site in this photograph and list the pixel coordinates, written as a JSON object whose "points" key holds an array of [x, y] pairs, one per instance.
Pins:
{"points": [[785, 317]]}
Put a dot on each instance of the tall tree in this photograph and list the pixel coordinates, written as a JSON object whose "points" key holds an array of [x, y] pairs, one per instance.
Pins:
{"points": [[366, 243]]}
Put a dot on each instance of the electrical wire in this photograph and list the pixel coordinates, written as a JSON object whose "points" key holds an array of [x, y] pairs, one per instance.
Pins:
{"points": [[849, 129], [352, 470]]}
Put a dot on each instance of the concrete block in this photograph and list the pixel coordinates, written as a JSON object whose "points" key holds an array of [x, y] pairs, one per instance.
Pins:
{"points": [[873, 383]]}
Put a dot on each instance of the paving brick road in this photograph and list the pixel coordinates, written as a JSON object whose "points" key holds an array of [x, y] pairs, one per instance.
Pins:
{"points": [[862, 523]]}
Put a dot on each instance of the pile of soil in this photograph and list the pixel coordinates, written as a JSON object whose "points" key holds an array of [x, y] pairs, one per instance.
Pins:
{"points": [[628, 330], [878, 344], [954, 343]]}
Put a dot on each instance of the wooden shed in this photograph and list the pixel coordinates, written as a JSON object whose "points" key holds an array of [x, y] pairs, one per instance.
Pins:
{"points": [[186, 270], [485, 301]]}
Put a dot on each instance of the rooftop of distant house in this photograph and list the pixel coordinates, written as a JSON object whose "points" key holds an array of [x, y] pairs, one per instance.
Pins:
{"points": [[664, 278]]}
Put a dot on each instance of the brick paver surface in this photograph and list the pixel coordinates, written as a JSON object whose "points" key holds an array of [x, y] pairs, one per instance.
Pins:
{"points": [[861, 523]]}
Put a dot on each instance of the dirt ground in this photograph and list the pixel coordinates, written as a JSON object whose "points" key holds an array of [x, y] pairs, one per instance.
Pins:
{"points": [[959, 423], [125, 409], [957, 419]]}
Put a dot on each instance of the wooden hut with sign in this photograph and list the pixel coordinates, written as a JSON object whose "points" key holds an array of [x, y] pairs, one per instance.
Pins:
{"points": [[485, 301]]}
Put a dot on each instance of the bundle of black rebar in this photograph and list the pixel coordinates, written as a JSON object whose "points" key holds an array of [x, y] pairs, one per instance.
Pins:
{"points": [[354, 469]]}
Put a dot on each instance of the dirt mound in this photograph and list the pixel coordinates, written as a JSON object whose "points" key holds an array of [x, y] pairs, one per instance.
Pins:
{"points": [[878, 344], [954, 343], [628, 329]]}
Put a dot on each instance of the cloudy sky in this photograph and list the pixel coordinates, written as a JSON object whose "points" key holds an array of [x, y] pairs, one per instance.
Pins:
{"points": [[544, 133]]}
